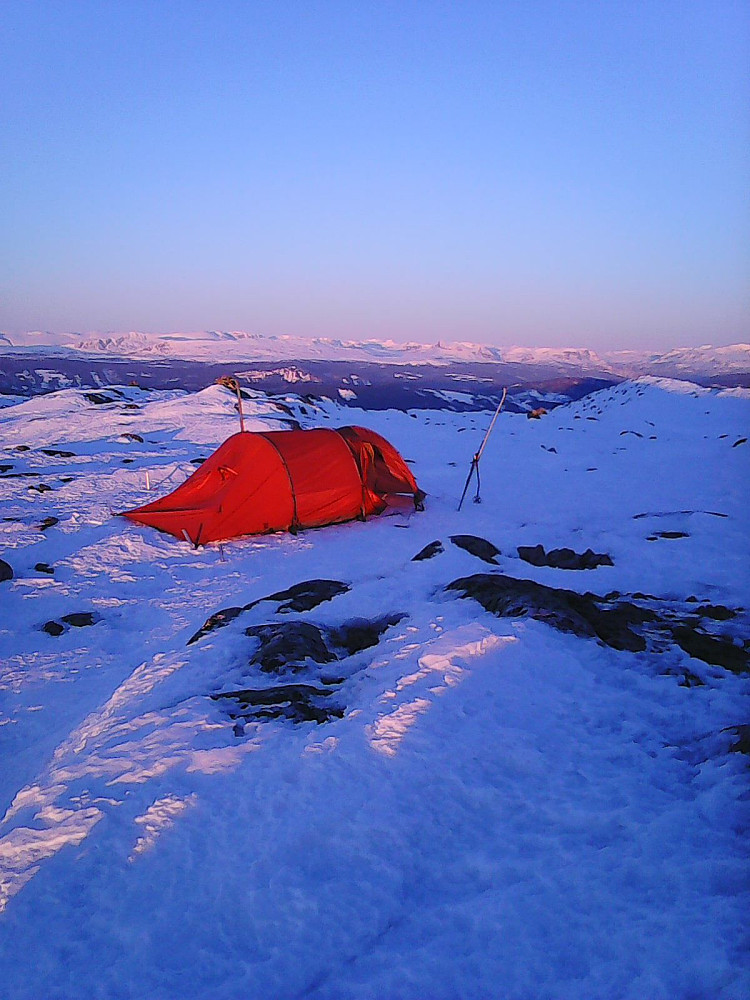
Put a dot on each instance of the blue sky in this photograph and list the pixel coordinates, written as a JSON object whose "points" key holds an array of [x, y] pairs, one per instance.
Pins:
{"points": [[542, 173]]}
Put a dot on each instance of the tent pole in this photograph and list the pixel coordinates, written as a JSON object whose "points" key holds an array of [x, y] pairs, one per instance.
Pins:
{"points": [[475, 460], [239, 404]]}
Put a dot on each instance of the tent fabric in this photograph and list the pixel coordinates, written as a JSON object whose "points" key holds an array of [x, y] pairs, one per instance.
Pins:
{"points": [[257, 482]]}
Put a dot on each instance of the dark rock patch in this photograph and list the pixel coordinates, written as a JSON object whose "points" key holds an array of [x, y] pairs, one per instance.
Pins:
{"points": [[80, 619], [741, 736], [563, 558], [217, 620], [76, 619], [288, 645], [197, 461], [672, 513], [21, 475], [129, 436], [301, 597], [716, 651], [41, 488], [98, 398], [6, 571], [42, 567], [668, 534], [5, 468], [584, 615], [430, 550], [361, 633], [56, 453], [48, 522], [307, 595], [295, 702], [739, 441], [716, 611], [23, 447], [478, 547], [618, 623]]}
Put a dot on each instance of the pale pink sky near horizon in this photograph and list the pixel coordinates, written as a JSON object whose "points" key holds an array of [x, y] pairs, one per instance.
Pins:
{"points": [[546, 174]]}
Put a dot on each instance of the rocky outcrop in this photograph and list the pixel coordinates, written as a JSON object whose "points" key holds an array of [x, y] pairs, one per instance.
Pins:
{"points": [[478, 547], [563, 558]]}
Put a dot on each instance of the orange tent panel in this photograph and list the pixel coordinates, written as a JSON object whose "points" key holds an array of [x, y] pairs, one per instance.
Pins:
{"points": [[282, 480]]}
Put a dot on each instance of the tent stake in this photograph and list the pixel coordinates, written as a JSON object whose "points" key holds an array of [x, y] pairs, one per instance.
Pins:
{"points": [[475, 460]]}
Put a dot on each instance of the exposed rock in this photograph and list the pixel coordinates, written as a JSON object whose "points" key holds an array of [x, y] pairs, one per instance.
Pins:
{"points": [[5, 467], [430, 550], [48, 522], [742, 739], [478, 547], [295, 702], [129, 436], [739, 441], [563, 558], [57, 453], [710, 649], [361, 633], [288, 645], [307, 595], [6, 571], [620, 624], [716, 611], [668, 534], [301, 597], [41, 488], [42, 567], [80, 619], [98, 398], [76, 619], [584, 615], [217, 620]]}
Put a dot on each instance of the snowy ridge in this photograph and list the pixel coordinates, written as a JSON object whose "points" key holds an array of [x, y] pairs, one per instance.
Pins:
{"points": [[238, 346], [484, 799]]}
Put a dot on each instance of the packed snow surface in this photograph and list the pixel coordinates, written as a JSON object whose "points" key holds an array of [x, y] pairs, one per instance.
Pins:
{"points": [[500, 808]]}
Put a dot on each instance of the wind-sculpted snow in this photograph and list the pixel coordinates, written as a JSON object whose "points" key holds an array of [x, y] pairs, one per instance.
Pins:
{"points": [[304, 765]]}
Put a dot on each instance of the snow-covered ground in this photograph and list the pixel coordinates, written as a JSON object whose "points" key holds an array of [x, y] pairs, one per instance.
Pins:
{"points": [[497, 807]]}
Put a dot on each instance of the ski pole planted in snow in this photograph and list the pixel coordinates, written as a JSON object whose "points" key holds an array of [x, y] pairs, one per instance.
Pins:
{"points": [[475, 460]]}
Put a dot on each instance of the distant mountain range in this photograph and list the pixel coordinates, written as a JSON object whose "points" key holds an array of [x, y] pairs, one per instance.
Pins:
{"points": [[373, 374], [220, 346]]}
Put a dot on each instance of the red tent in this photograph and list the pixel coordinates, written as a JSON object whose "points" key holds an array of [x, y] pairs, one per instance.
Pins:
{"points": [[283, 481]]}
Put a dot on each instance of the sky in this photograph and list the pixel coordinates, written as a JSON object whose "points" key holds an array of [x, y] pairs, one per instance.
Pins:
{"points": [[535, 173]]}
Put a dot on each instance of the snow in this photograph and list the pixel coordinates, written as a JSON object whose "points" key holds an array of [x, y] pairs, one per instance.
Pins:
{"points": [[503, 809]]}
